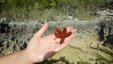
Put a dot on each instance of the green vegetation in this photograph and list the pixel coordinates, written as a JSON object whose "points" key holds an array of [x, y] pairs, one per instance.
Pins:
{"points": [[32, 9], [100, 58], [82, 62]]}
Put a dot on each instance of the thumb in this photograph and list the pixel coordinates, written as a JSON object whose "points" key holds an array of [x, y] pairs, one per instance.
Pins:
{"points": [[42, 30]]}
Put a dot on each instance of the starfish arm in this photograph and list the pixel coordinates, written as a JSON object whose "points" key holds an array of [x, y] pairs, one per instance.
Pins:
{"points": [[62, 40], [62, 34], [58, 30], [57, 35], [64, 30], [68, 34]]}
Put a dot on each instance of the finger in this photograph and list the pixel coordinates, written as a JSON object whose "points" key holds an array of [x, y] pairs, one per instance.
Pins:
{"points": [[69, 28], [68, 39], [73, 31], [42, 30]]}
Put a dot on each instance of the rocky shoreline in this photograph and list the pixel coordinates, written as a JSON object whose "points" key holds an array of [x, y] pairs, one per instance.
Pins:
{"points": [[14, 36]]}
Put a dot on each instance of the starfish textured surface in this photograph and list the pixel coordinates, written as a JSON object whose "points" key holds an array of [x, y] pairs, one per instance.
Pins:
{"points": [[62, 34]]}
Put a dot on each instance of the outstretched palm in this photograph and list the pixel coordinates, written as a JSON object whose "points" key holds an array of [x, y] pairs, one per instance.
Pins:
{"points": [[43, 47]]}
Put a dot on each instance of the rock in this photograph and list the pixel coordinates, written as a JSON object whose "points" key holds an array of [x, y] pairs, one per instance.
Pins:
{"points": [[70, 17]]}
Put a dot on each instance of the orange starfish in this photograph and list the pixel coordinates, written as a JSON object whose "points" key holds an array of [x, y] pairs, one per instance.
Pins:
{"points": [[62, 34]]}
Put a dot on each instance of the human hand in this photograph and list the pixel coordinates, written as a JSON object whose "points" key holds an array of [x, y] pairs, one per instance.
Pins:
{"points": [[43, 47]]}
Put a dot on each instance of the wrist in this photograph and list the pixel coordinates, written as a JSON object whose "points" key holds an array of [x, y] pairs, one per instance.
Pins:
{"points": [[33, 57], [24, 57], [15, 58]]}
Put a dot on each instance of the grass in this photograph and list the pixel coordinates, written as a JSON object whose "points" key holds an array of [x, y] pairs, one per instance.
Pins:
{"points": [[43, 10], [84, 14], [82, 62], [101, 58]]}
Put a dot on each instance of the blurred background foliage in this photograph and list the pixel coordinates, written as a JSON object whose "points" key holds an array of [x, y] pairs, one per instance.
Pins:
{"points": [[28, 9], [9, 4]]}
